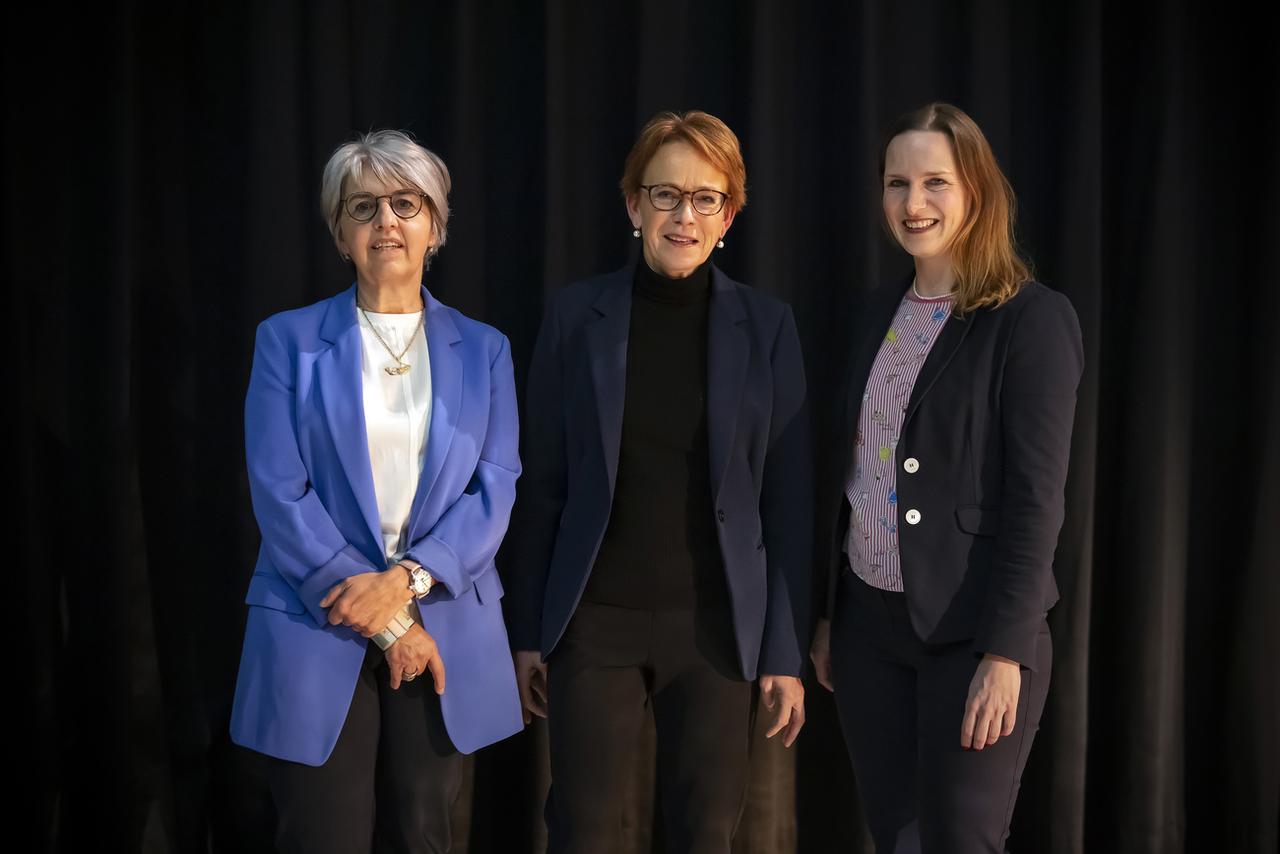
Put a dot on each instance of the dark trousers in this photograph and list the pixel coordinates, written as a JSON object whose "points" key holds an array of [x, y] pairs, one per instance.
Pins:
{"points": [[393, 746], [901, 704], [611, 668]]}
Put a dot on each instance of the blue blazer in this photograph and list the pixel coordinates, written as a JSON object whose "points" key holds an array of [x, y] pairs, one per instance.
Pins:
{"points": [[760, 472], [312, 489], [988, 425]]}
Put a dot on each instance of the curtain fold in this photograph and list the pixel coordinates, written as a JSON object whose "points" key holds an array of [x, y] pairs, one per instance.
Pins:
{"points": [[161, 199]]}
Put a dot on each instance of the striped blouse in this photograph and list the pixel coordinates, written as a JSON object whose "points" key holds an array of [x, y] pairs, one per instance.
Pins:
{"points": [[871, 488]]}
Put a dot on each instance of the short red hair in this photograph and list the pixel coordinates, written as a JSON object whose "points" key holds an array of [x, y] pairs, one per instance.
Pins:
{"points": [[709, 136]]}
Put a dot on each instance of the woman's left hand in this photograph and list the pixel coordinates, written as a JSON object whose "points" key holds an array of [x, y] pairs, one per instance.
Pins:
{"points": [[993, 702], [413, 654], [368, 601], [785, 694]]}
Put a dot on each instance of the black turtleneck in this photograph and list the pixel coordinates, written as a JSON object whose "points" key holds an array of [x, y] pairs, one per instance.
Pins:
{"points": [[660, 550]]}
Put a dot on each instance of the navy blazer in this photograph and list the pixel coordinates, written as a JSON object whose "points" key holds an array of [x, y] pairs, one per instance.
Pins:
{"points": [[989, 424], [760, 470]]}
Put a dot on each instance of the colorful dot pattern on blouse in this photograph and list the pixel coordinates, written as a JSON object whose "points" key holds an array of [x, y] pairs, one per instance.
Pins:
{"points": [[871, 488]]}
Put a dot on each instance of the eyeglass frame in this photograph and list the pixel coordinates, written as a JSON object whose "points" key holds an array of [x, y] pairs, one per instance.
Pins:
{"points": [[423, 199], [724, 197]]}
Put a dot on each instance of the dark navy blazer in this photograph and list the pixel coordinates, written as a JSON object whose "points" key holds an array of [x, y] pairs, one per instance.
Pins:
{"points": [[989, 425], [760, 467]]}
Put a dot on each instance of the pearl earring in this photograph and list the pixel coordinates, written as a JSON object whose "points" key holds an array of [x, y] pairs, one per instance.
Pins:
{"points": [[720, 243], [635, 233]]}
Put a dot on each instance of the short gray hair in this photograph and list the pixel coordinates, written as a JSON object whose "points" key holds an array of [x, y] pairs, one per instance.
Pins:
{"points": [[392, 157]]}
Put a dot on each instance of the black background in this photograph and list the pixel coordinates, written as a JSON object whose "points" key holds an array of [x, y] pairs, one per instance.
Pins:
{"points": [[161, 175]]}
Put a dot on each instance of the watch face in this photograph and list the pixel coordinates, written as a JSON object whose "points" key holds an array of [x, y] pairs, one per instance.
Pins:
{"points": [[421, 582]]}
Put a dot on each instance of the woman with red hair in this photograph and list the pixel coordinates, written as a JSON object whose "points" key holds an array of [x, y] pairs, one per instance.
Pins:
{"points": [[662, 529]]}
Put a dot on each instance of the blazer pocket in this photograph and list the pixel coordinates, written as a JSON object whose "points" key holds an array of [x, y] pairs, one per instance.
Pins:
{"points": [[979, 521], [488, 586], [272, 591]]}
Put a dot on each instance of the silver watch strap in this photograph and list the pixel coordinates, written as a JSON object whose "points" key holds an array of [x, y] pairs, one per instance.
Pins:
{"points": [[399, 624]]}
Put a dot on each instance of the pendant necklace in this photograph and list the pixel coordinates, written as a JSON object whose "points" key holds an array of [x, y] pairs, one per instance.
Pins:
{"points": [[401, 366]]}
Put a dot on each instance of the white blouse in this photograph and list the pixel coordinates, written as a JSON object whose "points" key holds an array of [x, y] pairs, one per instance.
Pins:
{"points": [[397, 415]]}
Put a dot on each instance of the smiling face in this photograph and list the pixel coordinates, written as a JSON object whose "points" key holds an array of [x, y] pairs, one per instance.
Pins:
{"points": [[676, 242], [924, 201], [386, 249]]}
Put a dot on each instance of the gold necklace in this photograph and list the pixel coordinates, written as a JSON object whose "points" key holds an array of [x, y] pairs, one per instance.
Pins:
{"points": [[401, 366]]}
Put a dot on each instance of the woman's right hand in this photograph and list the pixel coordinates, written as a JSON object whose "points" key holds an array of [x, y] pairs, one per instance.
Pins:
{"points": [[820, 653], [413, 654], [531, 676]]}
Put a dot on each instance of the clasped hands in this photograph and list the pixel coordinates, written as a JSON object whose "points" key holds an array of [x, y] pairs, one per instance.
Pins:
{"points": [[367, 602]]}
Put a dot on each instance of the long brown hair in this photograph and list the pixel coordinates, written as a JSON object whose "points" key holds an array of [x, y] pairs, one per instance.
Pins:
{"points": [[989, 268]]}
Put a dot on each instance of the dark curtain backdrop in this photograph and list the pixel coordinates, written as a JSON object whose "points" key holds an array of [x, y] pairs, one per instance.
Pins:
{"points": [[161, 173]]}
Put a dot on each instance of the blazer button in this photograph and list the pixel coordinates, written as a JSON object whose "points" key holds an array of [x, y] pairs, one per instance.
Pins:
{"points": [[720, 515], [913, 517], [911, 465]]}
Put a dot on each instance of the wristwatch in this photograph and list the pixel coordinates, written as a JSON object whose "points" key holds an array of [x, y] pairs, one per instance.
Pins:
{"points": [[420, 581]]}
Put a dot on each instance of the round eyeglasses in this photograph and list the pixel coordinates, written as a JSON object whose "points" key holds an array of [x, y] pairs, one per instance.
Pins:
{"points": [[705, 201], [362, 207]]}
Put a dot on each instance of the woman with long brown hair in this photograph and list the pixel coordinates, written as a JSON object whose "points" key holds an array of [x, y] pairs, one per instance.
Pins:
{"points": [[952, 462]]}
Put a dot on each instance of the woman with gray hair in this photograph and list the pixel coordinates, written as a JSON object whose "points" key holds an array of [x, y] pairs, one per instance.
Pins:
{"points": [[381, 441]]}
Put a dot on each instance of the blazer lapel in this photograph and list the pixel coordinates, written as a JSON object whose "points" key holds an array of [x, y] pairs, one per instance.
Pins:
{"points": [[446, 398], [728, 352], [606, 343], [338, 373], [949, 340]]}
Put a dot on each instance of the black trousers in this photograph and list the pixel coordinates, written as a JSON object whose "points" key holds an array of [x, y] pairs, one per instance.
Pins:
{"points": [[390, 782], [611, 668], [901, 704]]}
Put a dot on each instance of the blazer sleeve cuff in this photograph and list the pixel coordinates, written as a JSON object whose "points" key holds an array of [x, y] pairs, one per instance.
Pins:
{"points": [[781, 669], [346, 563], [788, 662], [523, 639], [1016, 642], [442, 564]]}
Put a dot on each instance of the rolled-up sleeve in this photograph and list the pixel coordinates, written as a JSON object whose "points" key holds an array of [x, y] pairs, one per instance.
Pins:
{"points": [[300, 537]]}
